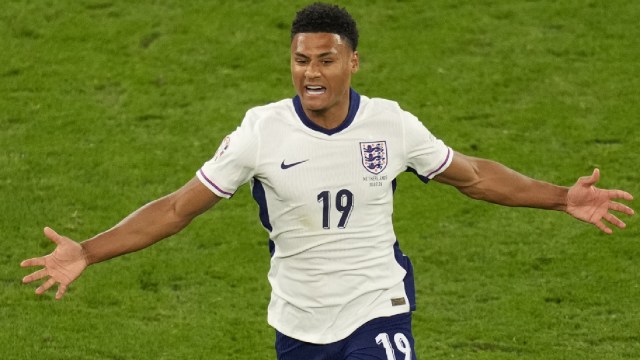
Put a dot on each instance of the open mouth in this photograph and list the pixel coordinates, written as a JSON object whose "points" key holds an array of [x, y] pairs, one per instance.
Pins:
{"points": [[315, 90]]}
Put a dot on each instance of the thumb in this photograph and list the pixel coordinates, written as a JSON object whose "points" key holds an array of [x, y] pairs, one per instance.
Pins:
{"points": [[590, 180], [52, 235]]}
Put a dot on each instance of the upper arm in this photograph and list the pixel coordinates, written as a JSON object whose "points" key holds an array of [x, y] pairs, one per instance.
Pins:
{"points": [[462, 173], [235, 160], [192, 199], [477, 178]]}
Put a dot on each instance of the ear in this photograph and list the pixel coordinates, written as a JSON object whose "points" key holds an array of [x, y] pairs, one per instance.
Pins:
{"points": [[355, 62]]}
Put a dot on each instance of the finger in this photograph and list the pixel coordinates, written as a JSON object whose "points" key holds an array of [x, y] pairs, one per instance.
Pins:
{"points": [[35, 276], [619, 194], [61, 290], [603, 227], [52, 235], [621, 208], [615, 221], [46, 286], [39, 261]]}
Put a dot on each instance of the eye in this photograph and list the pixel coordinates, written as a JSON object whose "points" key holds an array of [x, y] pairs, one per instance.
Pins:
{"points": [[327, 62], [301, 61]]}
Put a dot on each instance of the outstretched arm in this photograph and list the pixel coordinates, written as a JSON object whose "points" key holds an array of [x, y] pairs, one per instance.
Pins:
{"points": [[151, 223], [490, 181], [144, 227]]}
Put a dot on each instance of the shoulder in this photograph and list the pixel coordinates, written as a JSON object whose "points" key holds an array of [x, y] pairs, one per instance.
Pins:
{"points": [[257, 117], [274, 109], [379, 104], [385, 108], [388, 111]]}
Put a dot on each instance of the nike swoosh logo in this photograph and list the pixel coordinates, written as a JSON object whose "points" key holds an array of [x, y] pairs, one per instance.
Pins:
{"points": [[284, 166]]}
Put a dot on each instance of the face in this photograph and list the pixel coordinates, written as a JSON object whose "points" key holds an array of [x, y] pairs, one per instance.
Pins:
{"points": [[321, 68]]}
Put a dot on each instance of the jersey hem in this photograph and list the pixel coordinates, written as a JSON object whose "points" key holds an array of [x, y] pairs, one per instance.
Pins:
{"points": [[341, 335]]}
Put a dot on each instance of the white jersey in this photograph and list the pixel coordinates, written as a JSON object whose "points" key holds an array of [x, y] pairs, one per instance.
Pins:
{"points": [[326, 199]]}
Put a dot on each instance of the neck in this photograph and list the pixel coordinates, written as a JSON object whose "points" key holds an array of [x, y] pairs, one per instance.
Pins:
{"points": [[328, 122], [330, 118], [326, 119]]}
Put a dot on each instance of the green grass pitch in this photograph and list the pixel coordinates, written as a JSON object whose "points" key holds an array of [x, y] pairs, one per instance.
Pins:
{"points": [[108, 104]]}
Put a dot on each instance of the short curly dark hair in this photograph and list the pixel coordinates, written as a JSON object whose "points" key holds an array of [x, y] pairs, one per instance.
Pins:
{"points": [[321, 17]]}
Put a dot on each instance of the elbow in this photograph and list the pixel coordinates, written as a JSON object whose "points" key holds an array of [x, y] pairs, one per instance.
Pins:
{"points": [[472, 187], [473, 191]]}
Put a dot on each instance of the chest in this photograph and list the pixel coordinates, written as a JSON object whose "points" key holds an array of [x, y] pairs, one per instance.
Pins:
{"points": [[305, 168]]}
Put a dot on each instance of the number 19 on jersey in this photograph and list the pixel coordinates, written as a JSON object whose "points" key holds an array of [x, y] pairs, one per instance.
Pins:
{"points": [[343, 204]]}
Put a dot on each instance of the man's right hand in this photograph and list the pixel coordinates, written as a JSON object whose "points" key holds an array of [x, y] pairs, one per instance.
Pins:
{"points": [[63, 266]]}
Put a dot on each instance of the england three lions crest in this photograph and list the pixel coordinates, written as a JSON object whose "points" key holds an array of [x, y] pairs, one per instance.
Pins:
{"points": [[374, 156]]}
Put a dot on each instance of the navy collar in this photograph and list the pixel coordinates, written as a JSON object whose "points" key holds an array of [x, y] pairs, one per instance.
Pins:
{"points": [[354, 105]]}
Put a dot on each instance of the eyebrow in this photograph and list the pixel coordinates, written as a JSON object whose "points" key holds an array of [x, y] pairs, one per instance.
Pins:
{"points": [[324, 54]]}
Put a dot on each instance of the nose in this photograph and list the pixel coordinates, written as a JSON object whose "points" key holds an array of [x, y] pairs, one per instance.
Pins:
{"points": [[312, 71]]}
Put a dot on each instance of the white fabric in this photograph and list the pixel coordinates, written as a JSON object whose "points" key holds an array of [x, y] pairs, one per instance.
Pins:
{"points": [[326, 282]]}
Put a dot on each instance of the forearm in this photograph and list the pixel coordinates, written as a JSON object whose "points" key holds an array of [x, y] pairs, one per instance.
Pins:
{"points": [[151, 223], [507, 187], [144, 227], [493, 182]]}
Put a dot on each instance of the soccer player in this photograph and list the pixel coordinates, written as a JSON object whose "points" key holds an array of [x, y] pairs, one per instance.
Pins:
{"points": [[322, 168]]}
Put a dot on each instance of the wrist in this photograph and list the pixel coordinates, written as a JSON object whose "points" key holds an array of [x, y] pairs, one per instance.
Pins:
{"points": [[86, 254], [564, 195]]}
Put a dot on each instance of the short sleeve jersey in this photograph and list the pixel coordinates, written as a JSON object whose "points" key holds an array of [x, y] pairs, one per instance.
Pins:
{"points": [[326, 200]]}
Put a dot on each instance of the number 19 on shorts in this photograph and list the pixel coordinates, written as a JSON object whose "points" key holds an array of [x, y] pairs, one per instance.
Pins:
{"points": [[401, 344]]}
